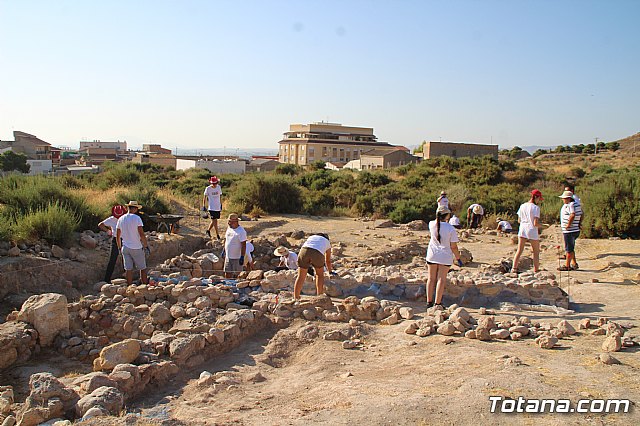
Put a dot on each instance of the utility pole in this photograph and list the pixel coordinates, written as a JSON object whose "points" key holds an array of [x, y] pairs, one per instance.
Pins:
{"points": [[596, 149]]}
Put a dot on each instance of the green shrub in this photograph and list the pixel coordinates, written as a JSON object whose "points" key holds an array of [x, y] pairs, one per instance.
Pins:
{"points": [[6, 232], [288, 169], [54, 223], [271, 193], [148, 197]]}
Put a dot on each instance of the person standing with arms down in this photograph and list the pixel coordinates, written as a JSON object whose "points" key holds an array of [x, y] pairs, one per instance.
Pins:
{"points": [[133, 243], [443, 247], [577, 205], [475, 213], [109, 226], [316, 253], [443, 201], [529, 218], [235, 247], [570, 216], [212, 202]]}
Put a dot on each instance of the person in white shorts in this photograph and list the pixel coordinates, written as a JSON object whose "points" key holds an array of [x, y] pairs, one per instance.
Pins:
{"points": [[132, 243], [235, 247], [529, 218], [442, 249]]}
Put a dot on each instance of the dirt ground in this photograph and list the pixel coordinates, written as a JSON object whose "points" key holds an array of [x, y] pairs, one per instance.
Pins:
{"points": [[398, 378]]}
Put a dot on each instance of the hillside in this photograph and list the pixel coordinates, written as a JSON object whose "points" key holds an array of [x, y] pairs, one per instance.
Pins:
{"points": [[630, 143]]}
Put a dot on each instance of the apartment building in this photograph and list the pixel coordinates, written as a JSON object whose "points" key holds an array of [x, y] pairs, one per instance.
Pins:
{"points": [[458, 149], [330, 142], [98, 144]]}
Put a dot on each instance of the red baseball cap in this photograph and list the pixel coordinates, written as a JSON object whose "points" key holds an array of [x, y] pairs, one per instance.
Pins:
{"points": [[118, 211], [537, 193], [213, 179]]}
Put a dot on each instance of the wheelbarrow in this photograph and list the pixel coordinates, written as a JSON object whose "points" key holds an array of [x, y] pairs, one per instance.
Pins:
{"points": [[168, 222]]}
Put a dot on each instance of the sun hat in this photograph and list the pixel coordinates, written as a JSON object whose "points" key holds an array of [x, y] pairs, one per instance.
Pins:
{"points": [[537, 193], [233, 216], [443, 210], [566, 194], [133, 204], [281, 251], [118, 211], [443, 193], [214, 179], [477, 209]]}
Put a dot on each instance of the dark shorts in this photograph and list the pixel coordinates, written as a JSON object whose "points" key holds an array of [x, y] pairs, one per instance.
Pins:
{"points": [[214, 214], [507, 231], [475, 220], [570, 241], [433, 263], [310, 257]]}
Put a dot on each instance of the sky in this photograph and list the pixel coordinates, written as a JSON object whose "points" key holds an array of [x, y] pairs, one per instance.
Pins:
{"points": [[212, 74]]}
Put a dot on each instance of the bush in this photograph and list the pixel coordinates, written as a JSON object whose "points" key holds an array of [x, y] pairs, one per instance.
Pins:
{"points": [[54, 223], [288, 169], [10, 161], [148, 197], [271, 193]]}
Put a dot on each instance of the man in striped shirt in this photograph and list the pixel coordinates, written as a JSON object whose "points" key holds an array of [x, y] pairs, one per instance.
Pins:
{"points": [[570, 216]]}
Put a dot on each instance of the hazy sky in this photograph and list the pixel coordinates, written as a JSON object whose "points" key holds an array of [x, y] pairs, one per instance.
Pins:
{"points": [[209, 74]]}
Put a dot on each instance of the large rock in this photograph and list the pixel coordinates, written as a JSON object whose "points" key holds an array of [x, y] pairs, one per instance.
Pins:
{"points": [[88, 241], [160, 314], [49, 315], [612, 344], [48, 398], [183, 348], [118, 353], [57, 251], [547, 342], [107, 398], [465, 256], [566, 328]]}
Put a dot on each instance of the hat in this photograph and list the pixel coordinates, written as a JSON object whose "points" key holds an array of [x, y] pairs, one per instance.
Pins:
{"points": [[537, 193], [443, 210], [233, 216], [498, 220], [281, 251], [566, 194], [118, 211], [443, 193], [133, 204], [477, 209], [214, 179]]}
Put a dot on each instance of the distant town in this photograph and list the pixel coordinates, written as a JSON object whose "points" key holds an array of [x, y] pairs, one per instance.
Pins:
{"points": [[336, 145]]}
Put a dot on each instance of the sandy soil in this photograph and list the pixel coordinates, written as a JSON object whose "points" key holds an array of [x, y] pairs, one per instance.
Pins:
{"points": [[404, 379]]}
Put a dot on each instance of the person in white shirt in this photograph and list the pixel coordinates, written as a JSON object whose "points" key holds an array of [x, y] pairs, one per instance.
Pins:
{"points": [[212, 202], [316, 253], [529, 218], [443, 200], [132, 243], [504, 226], [570, 215], [248, 257], [441, 251], [235, 247], [455, 221], [288, 259], [475, 214], [109, 226]]}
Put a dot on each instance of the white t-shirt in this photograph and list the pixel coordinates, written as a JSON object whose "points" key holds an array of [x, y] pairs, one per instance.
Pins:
{"points": [[565, 212], [318, 242], [233, 242], [128, 226], [247, 253], [443, 201], [504, 225], [472, 206], [527, 213], [213, 195], [290, 261], [440, 251], [454, 221], [111, 222]]}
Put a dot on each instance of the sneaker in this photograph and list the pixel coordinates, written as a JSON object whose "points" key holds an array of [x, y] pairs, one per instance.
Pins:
{"points": [[575, 267], [208, 233], [429, 305]]}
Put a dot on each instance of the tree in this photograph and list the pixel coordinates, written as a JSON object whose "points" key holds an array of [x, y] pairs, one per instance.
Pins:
{"points": [[318, 165], [539, 152], [10, 161], [612, 146]]}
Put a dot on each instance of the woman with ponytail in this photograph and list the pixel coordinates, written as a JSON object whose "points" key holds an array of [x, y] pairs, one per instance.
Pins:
{"points": [[442, 249]]}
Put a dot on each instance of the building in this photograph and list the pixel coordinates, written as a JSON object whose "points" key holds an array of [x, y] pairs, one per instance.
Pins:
{"points": [[166, 160], [457, 150], [155, 148], [98, 155], [215, 166], [98, 144], [384, 159], [40, 154], [262, 163], [329, 142]]}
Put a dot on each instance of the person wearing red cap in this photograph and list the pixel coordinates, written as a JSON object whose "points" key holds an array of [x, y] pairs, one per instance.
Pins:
{"points": [[109, 226], [529, 218], [212, 202]]}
